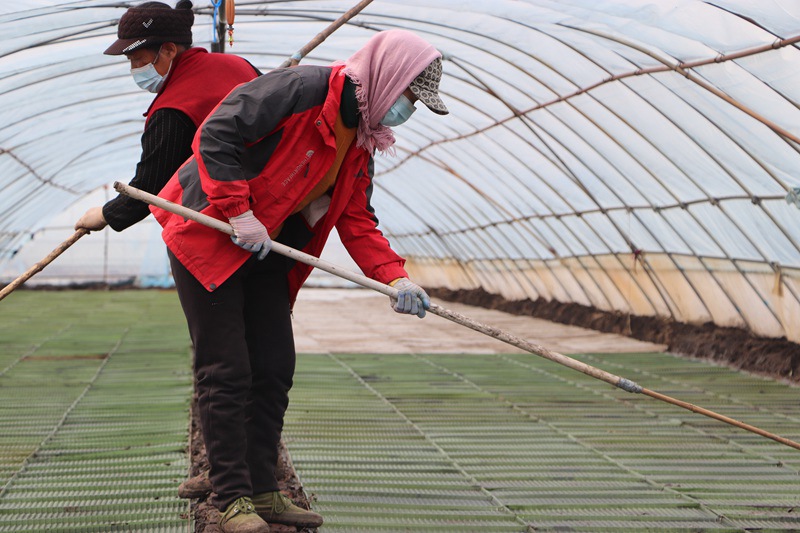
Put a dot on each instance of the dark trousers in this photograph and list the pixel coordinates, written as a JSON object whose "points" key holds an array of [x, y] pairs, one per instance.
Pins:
{"points": [[244, 363]]}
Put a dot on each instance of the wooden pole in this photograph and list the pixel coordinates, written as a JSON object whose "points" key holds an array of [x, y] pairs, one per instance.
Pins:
{"points": [[541, 351], [324, 34], [38, 267]]}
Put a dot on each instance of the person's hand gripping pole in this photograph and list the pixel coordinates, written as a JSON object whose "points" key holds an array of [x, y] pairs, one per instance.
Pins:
{"points": [[411, 298], [250, 234]]}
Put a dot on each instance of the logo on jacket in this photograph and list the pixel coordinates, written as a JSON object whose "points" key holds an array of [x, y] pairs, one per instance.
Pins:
{"points": [[298, 168]]}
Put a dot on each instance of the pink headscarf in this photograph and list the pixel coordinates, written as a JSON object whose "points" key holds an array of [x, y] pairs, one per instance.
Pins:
{"points": [[382, 69]]}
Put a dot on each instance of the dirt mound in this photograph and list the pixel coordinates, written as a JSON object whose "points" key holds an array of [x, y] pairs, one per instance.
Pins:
{"points": [[738, 348]]}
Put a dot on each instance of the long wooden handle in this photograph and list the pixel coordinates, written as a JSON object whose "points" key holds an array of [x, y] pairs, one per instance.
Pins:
{"points": [[38, 267], [324, 34], [504, 336], [370, 283]]}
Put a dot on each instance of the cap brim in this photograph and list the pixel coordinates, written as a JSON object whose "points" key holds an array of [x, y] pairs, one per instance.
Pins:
{"points": [[437, 106], [431, 100], [126, 46]]}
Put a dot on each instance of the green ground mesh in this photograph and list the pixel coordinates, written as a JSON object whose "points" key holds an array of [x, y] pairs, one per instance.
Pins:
{"points": [[94, 396]]}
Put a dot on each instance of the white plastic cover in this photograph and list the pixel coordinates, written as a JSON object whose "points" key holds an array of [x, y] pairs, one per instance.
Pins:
{"points": [[631, 155]]}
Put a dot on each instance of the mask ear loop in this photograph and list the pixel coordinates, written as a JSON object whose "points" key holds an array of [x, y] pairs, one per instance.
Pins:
{"points": [[169, 67]]}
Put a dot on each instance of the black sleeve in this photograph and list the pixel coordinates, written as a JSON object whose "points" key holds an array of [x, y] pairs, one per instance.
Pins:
{"points": [[166, 145]]}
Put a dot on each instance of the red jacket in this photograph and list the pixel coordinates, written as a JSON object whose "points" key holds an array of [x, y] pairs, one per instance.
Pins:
{"points": [[264, 148]]}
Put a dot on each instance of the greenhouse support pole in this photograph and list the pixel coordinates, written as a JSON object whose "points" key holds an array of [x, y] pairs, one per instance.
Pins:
{"points": [[541, 351], [38, 267]]}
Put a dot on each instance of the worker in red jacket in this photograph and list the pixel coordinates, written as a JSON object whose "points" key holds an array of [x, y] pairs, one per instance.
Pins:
{"points": [[188, 83], [288, 157]]}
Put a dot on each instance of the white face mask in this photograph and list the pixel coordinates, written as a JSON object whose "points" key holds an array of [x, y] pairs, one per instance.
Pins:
{"points": [[400, 111], [147, 77]]}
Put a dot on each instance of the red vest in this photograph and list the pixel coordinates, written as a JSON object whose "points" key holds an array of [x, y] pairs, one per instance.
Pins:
{"points": [[198, 81]]}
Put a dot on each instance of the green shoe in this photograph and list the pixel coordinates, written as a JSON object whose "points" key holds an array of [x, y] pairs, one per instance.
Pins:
{"points": [[277, 508], [241, 517]]}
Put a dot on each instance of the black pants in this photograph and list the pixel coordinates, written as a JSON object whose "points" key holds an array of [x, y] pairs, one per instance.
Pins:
{"points": [[244, 364]]}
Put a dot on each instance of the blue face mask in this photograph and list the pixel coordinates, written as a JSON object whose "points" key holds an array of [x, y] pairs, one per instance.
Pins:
{"points": [[400, 111], [147, 77]]}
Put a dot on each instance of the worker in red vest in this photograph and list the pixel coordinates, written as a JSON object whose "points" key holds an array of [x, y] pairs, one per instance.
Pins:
{"points": [[188, 83]]}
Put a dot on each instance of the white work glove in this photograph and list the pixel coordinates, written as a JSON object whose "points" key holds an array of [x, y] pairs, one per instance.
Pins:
{"points": [[411, 298], [250, 234]]}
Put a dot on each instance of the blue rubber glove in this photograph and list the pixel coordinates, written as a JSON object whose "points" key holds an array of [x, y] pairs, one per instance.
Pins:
{"points": [[250, 234], [411, 298]]}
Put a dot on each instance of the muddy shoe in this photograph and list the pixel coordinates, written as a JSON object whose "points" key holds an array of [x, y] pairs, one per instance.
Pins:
{"points": [[277, 508], [195, 487], [241, 517]]}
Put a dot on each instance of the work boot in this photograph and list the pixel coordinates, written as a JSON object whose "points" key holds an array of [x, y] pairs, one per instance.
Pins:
{"points": [[241, 517], [277, 508], [195, 487]]}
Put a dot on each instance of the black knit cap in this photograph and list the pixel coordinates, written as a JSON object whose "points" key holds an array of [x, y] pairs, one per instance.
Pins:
{"points": [[153, 23]]}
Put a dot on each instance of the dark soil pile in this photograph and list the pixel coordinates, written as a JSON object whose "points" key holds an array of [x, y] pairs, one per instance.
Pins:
{"points": [[738, 348]]}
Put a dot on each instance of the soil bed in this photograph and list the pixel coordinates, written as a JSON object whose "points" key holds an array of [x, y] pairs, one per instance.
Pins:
{"points": [[738, 348]]}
